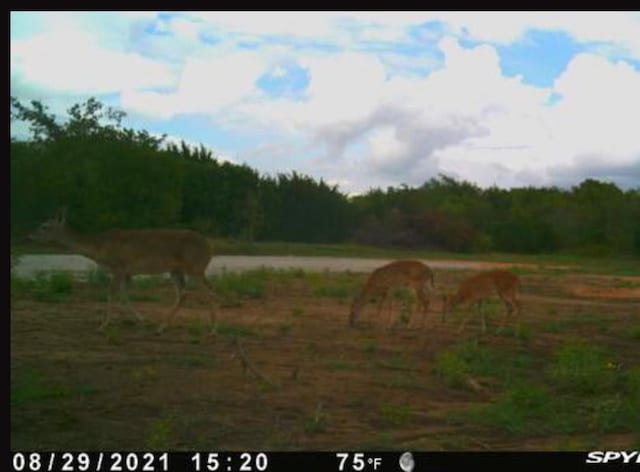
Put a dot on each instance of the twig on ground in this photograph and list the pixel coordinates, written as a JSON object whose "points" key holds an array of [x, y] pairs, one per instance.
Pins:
{"points": [[248, 365]]}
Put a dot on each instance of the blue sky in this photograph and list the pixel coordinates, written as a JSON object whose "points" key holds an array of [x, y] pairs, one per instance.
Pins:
{"points": [[361, 99]]}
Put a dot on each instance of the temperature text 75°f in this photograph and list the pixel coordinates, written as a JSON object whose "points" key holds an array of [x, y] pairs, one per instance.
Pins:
{"points": [[357, 461]]}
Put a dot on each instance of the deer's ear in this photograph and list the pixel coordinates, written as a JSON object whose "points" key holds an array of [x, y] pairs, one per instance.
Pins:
{"points": [[62, 215]]}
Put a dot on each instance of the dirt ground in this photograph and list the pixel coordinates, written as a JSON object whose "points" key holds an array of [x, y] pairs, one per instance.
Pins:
{"points": [[328, 386]]}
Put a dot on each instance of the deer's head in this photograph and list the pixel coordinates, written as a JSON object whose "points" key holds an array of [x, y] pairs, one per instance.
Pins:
{"points": [[52, 230]]}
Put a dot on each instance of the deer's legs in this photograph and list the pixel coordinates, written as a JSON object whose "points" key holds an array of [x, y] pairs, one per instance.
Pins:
{"points": [[386, 303], [116, 280], [517, 307], [512, 305], [484, 316], [464, 323], [124, 296], [213, 317], [444, 310], [381, 298], [465, 320], [180, 284], [424, 298], [470, 314]]}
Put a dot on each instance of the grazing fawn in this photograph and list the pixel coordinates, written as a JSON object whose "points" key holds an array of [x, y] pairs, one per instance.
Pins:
{"points": [[404, 273], [141, 251], [481, 286]]}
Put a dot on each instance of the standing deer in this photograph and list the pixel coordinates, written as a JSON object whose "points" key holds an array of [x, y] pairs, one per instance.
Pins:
{"points": [[404, 273], [478, 287], [143, 251]]}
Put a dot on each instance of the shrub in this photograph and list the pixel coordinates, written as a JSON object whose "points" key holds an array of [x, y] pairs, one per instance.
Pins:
{"points": [[582, 368]]}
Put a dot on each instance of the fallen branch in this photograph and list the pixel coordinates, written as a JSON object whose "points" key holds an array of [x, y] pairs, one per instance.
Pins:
{"points": [[294, 374], [318, 415], [248, 365], [385, 365], [474, 385], [483, 445]]}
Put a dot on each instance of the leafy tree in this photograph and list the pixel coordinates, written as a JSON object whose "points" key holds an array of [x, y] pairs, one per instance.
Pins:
{"points": [[111, 176]]}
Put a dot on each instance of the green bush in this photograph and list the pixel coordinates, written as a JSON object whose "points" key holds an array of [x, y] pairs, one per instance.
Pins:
{"points": [[53, 287], [582, 368], [451, 368], [396, 413], [61, 283], [454, 365], [99, 277], [246, 285], [632, 385], [525, 408]]}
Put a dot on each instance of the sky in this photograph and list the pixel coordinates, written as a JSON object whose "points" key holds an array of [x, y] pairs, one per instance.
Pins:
{"points": [[360, 99]]}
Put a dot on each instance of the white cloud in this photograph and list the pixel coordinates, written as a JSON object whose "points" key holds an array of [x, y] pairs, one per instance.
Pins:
{"points": [[205, 86], [626, 175], [343, 87], [385, 145], [314, 25], [619, 28], [525, 140], [466, 118], [361, 121], [71, 62], [185, 29], [219, 155], [597, 115], [600, 106], [279, 72]]}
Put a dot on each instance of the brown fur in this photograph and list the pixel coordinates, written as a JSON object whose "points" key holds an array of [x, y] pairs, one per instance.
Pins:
{"points": [[481, 286], [141, 251], [403, 273]]}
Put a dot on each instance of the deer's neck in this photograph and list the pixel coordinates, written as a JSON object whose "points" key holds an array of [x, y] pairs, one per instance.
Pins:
{"points": [[86, 245]]}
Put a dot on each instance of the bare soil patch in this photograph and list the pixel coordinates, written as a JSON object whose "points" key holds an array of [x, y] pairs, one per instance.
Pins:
{"points": [[335, 387]]}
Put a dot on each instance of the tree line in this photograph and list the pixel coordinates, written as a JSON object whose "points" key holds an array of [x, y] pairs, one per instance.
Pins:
{"points": [[112, 176]]}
